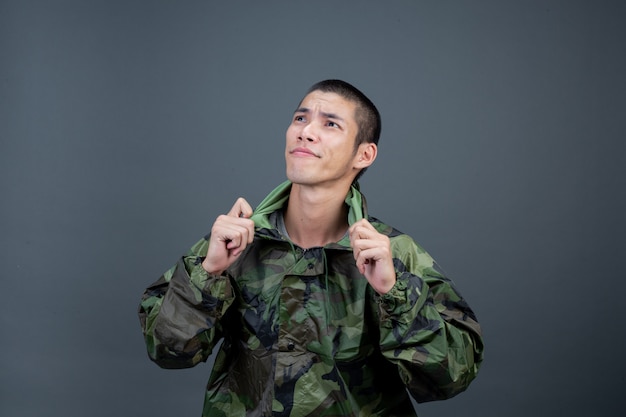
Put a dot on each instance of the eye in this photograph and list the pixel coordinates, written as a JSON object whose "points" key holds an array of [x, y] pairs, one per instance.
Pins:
{"points": [[298, 119], [332, 124]]}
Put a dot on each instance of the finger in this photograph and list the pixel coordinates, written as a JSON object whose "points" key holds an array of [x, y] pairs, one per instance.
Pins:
{"points": [[362, 259], [361, 237], [373, 254], [363, 223], [241, 208], [226, 229], [248, 225], [371, 249], [362, 230], [357, 251], [235, 229], [239, 235]]}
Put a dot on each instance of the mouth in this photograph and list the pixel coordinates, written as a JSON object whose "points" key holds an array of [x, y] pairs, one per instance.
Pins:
{"points": [[303, 152]]}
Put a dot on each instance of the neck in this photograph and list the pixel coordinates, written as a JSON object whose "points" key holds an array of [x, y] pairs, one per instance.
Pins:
{"points": [[316, 217]]}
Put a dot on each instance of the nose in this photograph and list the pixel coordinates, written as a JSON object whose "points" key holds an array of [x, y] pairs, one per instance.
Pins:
{"points": [[309, 132]]}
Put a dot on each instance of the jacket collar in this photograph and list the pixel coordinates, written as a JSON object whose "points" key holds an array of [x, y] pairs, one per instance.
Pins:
{"points": [[277, 200]]}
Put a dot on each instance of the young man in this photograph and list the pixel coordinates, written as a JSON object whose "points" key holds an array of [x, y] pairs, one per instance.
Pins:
{"points": [[323, 310]]}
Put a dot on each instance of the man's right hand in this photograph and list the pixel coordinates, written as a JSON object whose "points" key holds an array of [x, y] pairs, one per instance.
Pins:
{"points": [[230, 235]]}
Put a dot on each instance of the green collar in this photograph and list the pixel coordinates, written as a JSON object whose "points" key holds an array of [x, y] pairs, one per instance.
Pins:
{"points": [[277, 199]]}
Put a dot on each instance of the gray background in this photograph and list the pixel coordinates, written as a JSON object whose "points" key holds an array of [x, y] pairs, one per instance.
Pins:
{"points": [[126, 127]]}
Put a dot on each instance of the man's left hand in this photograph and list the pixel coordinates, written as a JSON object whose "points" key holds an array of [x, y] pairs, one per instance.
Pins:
{"points": [[372, 252]]}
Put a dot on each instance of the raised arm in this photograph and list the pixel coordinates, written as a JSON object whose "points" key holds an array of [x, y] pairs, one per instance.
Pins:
{"points": [[181, 313], [426, 328]]}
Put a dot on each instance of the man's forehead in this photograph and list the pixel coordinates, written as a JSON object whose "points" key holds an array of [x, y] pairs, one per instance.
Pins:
{"points": [[327, 102]]}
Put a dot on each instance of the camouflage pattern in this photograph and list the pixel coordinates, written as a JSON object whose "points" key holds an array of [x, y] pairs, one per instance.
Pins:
{"points": [[303, 332]]}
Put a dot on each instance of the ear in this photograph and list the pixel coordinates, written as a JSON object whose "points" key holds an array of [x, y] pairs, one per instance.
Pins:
{"points": [[365, 155]]}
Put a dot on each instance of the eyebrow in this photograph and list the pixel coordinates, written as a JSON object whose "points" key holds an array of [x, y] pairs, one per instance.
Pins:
{"points": [[326, 115]]}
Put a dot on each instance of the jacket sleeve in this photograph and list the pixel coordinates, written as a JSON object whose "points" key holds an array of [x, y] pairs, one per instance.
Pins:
{"points": [[181, 313], [427, 329]]}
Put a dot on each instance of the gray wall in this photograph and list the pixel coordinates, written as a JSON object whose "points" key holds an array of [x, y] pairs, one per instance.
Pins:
{"points": [[126, 127]]}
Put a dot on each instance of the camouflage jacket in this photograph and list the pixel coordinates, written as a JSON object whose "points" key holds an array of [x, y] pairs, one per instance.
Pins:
{"points": [[303, 332]]}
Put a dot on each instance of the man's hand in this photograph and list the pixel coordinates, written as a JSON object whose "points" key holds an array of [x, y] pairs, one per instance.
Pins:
{"points": [[230, 235], [372, 252]]}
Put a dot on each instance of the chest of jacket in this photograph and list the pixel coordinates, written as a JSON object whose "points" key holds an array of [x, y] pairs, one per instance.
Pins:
{"points": [[295, 300]]}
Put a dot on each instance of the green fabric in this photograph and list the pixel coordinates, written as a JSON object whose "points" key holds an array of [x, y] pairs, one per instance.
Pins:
{"points": [[303, 332]]}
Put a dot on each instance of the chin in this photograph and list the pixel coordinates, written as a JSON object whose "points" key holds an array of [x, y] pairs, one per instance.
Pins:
{"points": [[300, 178]]}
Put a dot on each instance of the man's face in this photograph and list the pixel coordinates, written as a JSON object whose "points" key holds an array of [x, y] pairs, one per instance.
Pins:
{"points": [[320, 140]]}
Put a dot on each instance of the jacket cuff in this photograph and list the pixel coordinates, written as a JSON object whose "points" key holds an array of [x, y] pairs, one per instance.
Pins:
{"points": [[403, 300], [217, 286]]}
